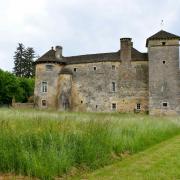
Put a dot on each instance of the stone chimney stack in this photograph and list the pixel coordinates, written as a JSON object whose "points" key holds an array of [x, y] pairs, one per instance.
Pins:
{"points": [[126, 45], [58, 52]]}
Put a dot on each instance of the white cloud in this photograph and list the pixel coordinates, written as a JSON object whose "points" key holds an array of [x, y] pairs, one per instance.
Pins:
{"points": [[81, 26]]}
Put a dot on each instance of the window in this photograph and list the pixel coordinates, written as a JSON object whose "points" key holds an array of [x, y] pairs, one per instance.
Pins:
{"points": [[138, 107], [49, 67], [164, 62], [81, 102], [75, 69], [113, 106], [95, 68], [96, 106], [113, 86], [163, 43], [113, 67], [44, 103], [44, 86], [165, 104]]}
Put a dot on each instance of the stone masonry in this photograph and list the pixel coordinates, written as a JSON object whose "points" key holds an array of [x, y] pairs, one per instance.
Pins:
{"points": [[122, 81]]}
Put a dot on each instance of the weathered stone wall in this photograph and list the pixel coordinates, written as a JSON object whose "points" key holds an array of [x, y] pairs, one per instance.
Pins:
{"points": [[51, 77], [164, 76], [89, 88], [23, 105], [64, 92], [92, 89]]}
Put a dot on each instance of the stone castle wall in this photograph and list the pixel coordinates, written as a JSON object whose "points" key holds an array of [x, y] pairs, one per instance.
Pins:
{"points": [[89, 88], [92, 89]]}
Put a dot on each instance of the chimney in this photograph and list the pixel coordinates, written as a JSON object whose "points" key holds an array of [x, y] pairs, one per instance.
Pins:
{"points": [[126, 46], [58, 52]]}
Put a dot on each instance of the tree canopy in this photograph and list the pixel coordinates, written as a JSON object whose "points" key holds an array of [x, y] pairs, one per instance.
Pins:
{"points": [[23, 61], [14, 87]]}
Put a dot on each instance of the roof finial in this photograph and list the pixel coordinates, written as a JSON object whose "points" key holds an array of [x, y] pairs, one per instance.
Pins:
{"points": [[162, 24]]}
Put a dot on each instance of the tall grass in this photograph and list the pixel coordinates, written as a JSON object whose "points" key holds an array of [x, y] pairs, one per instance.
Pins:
{"points": [[49, 144]]}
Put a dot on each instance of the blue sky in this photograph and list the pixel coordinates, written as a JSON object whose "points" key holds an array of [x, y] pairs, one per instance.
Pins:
{"points": [[81, 26]]}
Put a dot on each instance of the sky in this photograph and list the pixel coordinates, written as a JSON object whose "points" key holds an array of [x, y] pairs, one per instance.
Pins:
{"points": [[81, 26]]}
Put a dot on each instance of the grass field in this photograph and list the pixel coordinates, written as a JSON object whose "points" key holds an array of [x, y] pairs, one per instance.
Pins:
{"points": [[50, 144], [161, 162]]}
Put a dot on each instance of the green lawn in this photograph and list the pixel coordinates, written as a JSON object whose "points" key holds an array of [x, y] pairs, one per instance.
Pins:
{"points": [[162, 161]]}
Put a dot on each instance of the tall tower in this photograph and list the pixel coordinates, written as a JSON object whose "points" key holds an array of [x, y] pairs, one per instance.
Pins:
{"points": [[48, 67], [164, 73]]}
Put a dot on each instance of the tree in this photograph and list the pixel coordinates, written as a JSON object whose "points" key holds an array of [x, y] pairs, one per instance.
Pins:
{"points": [[23, 61], [19, 58], [26, 86], [29, 69], [15, 87], [8, 87]]}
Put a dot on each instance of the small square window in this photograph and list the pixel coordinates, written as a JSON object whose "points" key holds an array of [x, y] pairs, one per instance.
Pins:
{"points": [[44, 103], [138, 106], [113, 67], [49, 67], [95, 68], [165, 104], [164, 62], [75, 69], [113, 106], [163, 43]]}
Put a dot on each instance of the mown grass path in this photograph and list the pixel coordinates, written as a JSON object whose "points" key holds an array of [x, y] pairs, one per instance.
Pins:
{"points": [[162, 161]]}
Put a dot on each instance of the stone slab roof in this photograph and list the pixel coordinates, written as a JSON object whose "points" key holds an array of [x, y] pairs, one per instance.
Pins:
{"points": [[162, 35], [49, 57]]}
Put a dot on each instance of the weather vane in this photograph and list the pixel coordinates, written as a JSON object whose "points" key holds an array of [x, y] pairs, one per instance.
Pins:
{"points": [[162, 24]]}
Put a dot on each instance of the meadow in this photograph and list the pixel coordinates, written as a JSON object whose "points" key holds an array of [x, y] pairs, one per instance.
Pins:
{"points": [[49, 144]]}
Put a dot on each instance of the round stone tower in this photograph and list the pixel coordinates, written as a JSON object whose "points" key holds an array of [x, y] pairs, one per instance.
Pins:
{"points": [[46, 80]]}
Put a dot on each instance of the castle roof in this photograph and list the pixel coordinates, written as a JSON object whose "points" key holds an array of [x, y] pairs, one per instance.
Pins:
{"points": [[162, 35], [49, 57]]}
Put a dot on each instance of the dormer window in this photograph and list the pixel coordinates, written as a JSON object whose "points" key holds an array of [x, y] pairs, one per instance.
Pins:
{"points": [[49, 67]]}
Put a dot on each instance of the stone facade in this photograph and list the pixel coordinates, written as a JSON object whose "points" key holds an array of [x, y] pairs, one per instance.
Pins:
{"points": [[123, 81]]}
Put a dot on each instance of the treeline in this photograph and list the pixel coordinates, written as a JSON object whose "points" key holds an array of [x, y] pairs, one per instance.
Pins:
{"points": [[18, 85], [19, 88]]}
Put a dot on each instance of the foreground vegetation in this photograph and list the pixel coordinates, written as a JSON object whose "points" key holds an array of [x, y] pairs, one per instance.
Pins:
{"points": [[159, 162], [50, 144]]}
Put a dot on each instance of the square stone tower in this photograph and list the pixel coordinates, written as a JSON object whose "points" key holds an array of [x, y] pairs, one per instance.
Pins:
{"points": [[164, 73]]}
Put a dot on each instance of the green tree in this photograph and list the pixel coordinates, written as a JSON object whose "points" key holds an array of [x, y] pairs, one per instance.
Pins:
{"points": [[26, 86], [19, 59], [12, 86], [8, 87], [23, 61], [29, 69]]}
